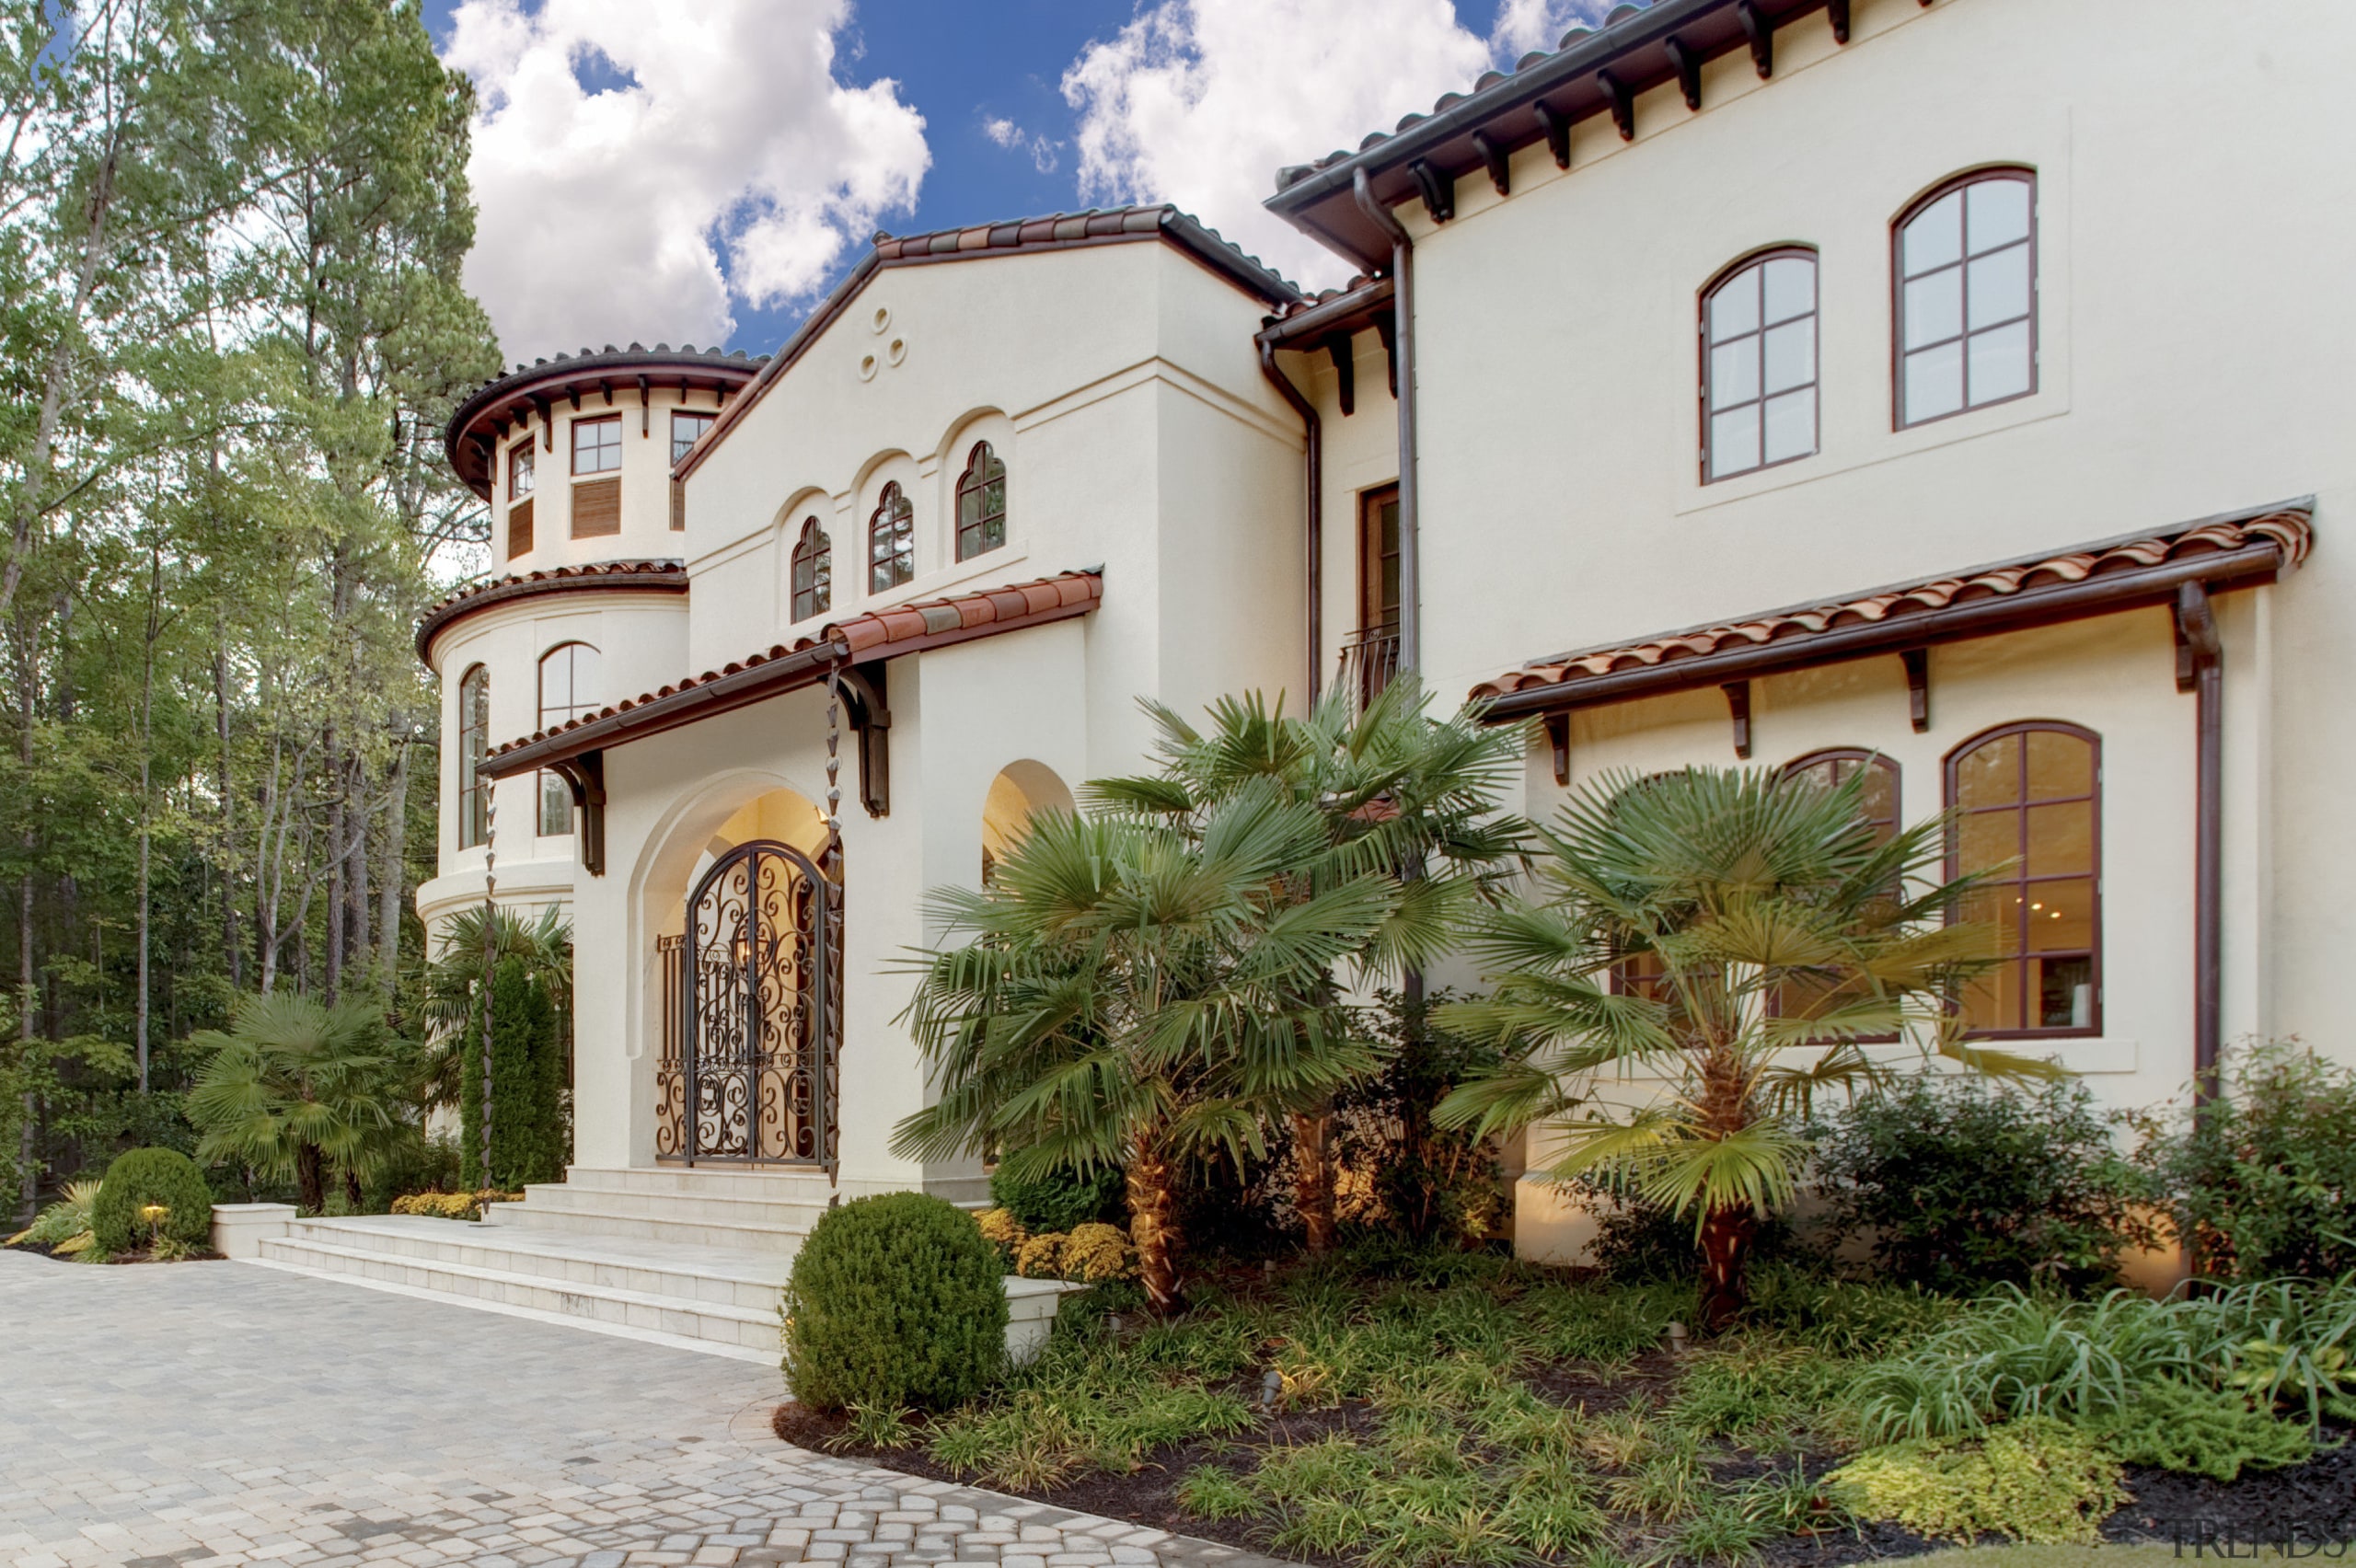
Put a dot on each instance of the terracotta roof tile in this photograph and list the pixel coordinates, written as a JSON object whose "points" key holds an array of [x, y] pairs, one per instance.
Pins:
{"points": [[666, 576]]}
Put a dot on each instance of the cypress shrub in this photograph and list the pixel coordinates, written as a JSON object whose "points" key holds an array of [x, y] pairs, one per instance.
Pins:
{"points": [[896, 1302], [528, 1135], [147, 1176]]}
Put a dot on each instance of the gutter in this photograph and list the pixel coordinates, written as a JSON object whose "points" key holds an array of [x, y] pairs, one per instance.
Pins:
{"points": [[1403, 308], [1314, 463]]}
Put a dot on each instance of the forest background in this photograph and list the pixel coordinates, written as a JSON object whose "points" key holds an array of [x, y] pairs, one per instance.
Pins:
{"points": [[233, 328]]}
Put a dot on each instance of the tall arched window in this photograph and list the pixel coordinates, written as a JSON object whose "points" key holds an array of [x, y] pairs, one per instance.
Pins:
{"points": [[474, 745], [567, 690], [981, 502], [1803, 994], [1964, 264], [813, 572], [2028, 804], [1758, 402], [891, 541]]}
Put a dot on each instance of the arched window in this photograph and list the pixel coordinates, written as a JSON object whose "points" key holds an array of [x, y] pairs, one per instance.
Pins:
{"points": [[891, 541], [981, 503], [1758, 403], [1964, 264], [2028, 804], [1802, 994], [474, 745], [567, 690], [813, 572]]}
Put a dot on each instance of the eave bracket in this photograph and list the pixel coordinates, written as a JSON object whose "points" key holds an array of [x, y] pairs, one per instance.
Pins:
{"points": [[870, 716], [584, 776], [1918, 687], [1739, 710]]}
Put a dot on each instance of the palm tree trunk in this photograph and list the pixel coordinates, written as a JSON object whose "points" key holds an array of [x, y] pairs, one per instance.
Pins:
{"points": [[1726, 1234], [1313, 1176], [1153, 1227], [310, 1178]]}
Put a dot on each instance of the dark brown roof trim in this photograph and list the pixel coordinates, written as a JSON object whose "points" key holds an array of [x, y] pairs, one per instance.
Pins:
{"points": [[1591, 75], [878, 634], [566, 375], [606, 577], [2245, 549], [1351, 310], [1062, 231]]}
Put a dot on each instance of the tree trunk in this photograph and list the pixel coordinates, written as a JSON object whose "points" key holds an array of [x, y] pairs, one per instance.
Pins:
{"points": [[232, 950], [1313, 1176], [336, 809], [352, 1189], [141, 1010], [1153, 1227], [392, 879], [1726, 1234], [310, 1178]]}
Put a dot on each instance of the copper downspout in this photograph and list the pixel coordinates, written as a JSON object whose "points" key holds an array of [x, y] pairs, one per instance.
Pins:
{"points": [[1403, 338], [1315, 463], [2197, 624]]}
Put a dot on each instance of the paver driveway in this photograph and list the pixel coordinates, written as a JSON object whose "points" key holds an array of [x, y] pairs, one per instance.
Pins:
{"points": [[218, 1413]]}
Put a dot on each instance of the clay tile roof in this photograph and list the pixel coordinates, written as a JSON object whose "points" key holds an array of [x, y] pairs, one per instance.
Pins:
{"points": [[475, 422], [636, 576], [886, 633], [2281, 534]]}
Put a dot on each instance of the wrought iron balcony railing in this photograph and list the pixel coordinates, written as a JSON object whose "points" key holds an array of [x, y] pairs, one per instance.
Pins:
{"points": [[1369, 661]]}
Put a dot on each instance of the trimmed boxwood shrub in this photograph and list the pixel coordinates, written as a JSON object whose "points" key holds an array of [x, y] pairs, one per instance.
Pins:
{"points": [[152, 1176], [896, 1302]]}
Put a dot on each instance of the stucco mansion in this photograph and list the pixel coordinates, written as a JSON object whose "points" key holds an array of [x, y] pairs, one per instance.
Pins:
{"points": [[1957, 391]]}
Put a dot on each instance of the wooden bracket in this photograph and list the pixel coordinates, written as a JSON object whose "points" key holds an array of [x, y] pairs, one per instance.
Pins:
{"points": [[645, 408], [870, 716], [1386, 327], [572, 394], [1761, 30], [1689, 71], [1558, 133], [606, 386], [1558, 739], [1837, 13], [1918, 687], [1439, 191], [1738, 708], [2196, 634], [1339, 347], [548, 422], [1500, 174], [585, 777], [1623, 102]]}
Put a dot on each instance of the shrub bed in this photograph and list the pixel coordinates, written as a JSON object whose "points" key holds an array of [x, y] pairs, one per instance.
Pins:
{"points": [[151, 1178], [895, 1301]]}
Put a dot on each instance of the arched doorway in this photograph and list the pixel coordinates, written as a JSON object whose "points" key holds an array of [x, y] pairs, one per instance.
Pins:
{"points": [[748, 1076], [1021, 791]]}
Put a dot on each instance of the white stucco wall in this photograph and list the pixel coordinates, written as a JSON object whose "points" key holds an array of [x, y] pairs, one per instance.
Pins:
{"points": [[646, 532]]}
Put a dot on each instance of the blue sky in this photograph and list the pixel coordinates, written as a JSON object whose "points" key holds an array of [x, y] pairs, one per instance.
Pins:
{"points": [[1191, 100]]}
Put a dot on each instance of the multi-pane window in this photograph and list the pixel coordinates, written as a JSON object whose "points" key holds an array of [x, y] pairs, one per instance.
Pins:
{"points": [[2028, 808], [598, 446], [687, 429], [981, 502], [1965, 270], [1805, 995], [1758, 403], [813, 572], [474, 745], [567, 690], [891, 541], [519, 469]]}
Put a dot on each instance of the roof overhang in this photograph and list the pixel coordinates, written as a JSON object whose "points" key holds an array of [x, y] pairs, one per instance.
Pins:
{"points": [[472, 435], [607, 577], [2243, 549]]}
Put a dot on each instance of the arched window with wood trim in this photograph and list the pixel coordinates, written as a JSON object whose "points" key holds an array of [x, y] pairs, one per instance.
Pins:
{"points": [[813, 572], [981, 502], [1963, 266], [1759, 342], [1878, 801], [891, 541], [474, 745], [568, 691], [2028, 799]]}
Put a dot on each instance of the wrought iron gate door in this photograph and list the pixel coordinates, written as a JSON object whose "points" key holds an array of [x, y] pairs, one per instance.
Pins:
{"points": [[760, 989]]}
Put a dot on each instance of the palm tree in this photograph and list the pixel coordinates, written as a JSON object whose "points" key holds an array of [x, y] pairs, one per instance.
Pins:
{"points": [[1704, 928], [1126, 999], [296, 1088], [1399, 794], [454, 985]]}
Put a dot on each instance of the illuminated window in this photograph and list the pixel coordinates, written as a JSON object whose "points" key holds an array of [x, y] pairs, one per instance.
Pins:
{"points": [[981, 503], [1965, 270], [1806, 994], [2028, 799]]}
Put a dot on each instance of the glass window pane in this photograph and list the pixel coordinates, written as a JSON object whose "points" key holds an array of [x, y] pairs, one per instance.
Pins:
{"points": [[1733, 372], [556, 682], [1791, 288], [1933, 382], [2000, 363], [2060, 838], [1734, 310], [2065, 993], [1734, 439], [1791, 425], [1935, 236], [1791, 355], [1934, 307], [1992, 1001], [1987, 840], [1999, 287], [2060, 915], [1990, 775], [556, 806], [1998, 213], [2059, 765], [1881, 796]]}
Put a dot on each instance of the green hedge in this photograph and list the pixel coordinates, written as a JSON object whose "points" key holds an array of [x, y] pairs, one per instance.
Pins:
{"points": [[147, 1176], [896, 1302], [528, 1132]]}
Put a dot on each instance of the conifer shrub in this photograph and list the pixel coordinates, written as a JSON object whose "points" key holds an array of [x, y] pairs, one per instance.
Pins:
{"points": [[527, 1131], [895, 1301], [147, 1176]]}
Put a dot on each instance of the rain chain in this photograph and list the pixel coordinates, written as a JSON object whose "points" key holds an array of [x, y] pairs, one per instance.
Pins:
{"points": [[490, 940]]}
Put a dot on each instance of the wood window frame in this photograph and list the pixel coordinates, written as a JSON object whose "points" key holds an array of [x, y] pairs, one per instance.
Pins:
{"points": [[586, 422], [893, 522], [520, 464], [2024, 174], [1371, 616], [703, 423], [815, 550], [1864, 757], [1951, 767], [973, 536], [1717, 284], [551, 786], [474, 748]]}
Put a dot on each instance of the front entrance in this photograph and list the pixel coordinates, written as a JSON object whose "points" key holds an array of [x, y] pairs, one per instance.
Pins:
{"points": [[754, 986]]}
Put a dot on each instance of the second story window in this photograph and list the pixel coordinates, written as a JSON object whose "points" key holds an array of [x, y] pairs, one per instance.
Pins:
{"points": [[813, 572], [687, 429], [1966, 273], [568, 691], [598, 446], [519, 469], [474, 745], [891, 541], [981, 503], [1758, 403]]}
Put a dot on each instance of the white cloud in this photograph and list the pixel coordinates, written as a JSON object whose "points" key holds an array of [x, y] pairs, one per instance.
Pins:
{"points": [[1200, 102], [717, 158], [1013, 137]]}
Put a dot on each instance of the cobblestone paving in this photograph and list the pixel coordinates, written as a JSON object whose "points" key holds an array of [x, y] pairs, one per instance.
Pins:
{"points": [[216, 1413]]}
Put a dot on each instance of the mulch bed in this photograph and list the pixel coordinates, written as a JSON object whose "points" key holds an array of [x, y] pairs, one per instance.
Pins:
{"points": [[2309, 1503]]}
